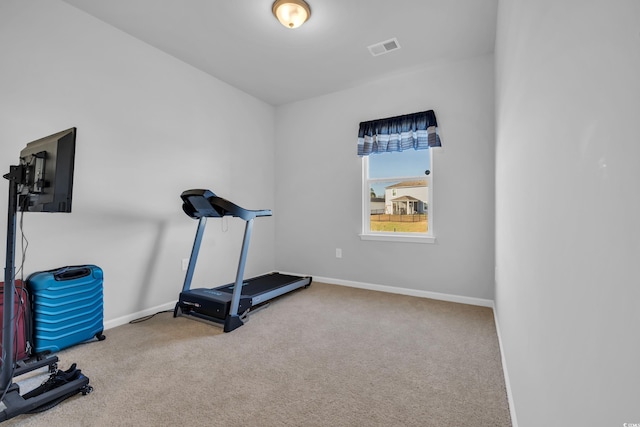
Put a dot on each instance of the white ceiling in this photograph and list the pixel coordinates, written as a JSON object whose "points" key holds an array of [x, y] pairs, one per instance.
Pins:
{"points": [[241, 43]]}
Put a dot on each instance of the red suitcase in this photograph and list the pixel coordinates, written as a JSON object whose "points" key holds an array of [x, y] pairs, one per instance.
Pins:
{"points": [[21, 345]]}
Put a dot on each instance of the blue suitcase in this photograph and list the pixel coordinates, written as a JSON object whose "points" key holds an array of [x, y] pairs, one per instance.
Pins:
{"points": [[66, 307]]}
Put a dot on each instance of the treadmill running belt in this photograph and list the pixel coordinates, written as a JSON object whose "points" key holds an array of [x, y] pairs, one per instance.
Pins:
{"points": [[262, 284]]}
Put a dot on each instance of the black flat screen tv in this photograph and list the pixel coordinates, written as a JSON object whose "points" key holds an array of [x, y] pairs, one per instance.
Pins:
{"points": [[47, 182]]}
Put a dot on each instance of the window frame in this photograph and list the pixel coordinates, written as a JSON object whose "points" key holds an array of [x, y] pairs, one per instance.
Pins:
{"points": [[367, 234]]}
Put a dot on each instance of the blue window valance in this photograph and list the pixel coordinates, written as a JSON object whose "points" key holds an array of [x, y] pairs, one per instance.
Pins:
{"points": [[418, 131]]}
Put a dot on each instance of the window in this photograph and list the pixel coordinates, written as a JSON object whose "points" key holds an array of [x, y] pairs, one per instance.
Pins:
{"points": [[397, 190], [397, 196]]}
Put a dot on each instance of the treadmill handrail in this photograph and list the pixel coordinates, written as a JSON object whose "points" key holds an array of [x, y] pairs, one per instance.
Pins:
{"points": [[221, 207], [226, 207]]}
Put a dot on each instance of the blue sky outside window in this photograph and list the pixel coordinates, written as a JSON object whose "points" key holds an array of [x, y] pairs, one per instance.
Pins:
{"points": [[408, 163]]}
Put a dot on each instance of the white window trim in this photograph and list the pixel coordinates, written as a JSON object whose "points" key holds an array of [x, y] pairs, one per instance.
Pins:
{"points": [[398, 237], [367, 234]]}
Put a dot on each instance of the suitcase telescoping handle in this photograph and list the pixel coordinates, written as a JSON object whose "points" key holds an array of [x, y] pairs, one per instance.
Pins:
{"points": [[69, 273]]}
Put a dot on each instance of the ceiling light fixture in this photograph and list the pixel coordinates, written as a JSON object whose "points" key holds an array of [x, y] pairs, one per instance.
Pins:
{"points": [[291, 13]]}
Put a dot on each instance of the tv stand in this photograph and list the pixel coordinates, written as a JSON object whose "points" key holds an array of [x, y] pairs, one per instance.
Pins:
{"points": [[14, 403]]}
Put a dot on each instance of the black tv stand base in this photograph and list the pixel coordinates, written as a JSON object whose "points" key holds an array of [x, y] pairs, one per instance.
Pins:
{"points": [[59, 387]]}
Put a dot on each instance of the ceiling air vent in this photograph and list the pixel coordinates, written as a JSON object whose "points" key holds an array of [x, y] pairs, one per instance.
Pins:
{"points": [[384, 47]]}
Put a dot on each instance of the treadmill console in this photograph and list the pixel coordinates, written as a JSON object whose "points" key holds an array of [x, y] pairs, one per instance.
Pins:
{"points": [[204, 203], [195, 203]]}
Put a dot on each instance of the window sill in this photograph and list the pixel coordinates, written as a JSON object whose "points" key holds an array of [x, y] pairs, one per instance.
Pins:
{"points": [[395, 237]]}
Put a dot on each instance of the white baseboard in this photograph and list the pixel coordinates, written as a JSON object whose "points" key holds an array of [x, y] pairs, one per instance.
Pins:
{"points": [[129, 317], [507, 381], [406, 291], [361, 285]]}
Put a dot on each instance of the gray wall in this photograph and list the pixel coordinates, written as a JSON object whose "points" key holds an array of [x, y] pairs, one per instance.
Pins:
{"points": [[149, 127], [567, 229], [318, 176]]}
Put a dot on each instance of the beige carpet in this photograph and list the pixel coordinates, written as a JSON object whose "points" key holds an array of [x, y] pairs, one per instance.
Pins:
{"points": [[323, 356]]}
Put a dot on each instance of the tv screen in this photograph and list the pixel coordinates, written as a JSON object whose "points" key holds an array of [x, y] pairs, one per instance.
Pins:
{"points": [[48, 163]]}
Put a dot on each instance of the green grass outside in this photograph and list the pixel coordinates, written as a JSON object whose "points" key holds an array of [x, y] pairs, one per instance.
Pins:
{"points": [[398, 226]]}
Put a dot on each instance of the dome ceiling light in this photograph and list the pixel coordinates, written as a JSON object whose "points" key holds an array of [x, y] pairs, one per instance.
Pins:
{"points": [[291, 13]]}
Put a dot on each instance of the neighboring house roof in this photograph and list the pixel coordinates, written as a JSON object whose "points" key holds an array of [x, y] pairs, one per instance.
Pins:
{"points": [[419, 183], [377, 199], [404, 199]]}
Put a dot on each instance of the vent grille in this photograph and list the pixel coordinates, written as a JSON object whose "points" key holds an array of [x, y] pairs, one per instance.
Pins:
{"points": [[384, 47]]}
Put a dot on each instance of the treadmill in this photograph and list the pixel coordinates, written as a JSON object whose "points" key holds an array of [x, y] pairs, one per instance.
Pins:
{"points": [[229, 304]]}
